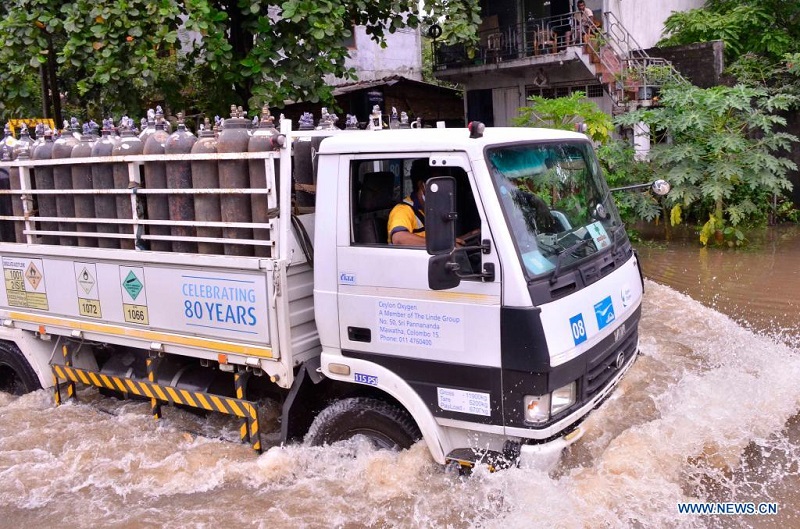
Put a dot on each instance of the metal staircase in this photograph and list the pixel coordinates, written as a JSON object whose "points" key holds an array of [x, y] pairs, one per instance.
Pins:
{"points": [[628, 74]]}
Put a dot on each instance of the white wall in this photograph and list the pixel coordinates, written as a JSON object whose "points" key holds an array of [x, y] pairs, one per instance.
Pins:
{"points": [[402, 56], [506, 103], [644, 19]]}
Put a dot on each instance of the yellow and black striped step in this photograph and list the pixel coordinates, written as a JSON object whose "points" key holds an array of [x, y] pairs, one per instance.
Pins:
{"points": [[239, 407]]}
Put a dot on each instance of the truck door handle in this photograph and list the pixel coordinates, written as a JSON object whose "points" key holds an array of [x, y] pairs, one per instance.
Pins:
{"points": [[359, 334]]}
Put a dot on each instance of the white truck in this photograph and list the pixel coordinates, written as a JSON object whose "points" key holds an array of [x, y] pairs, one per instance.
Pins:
{"points": [[491, 351]]}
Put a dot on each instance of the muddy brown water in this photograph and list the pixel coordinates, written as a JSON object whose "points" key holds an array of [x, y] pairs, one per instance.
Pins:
{"points": [[757, 285], [708, 413]]}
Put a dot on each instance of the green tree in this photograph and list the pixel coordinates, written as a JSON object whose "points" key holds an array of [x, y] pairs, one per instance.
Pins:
{"points": [[767, 28], [114, 52], [616, 156], [762, 38], [622, 168], [721, 154], [565, 113]]}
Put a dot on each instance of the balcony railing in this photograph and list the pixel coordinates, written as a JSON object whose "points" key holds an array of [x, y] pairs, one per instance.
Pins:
{"points": [[535, 37]]}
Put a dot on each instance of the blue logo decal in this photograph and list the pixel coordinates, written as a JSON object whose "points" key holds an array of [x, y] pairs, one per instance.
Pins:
{"points": [[578, 329], [361, 378], [347, 278], [604, 312]]}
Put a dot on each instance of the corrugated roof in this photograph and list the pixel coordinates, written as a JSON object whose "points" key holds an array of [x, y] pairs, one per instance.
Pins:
{"points": [[394, 79]]}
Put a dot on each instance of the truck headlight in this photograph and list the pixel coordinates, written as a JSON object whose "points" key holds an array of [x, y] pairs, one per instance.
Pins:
{"points": [[562, 398], [539, 408]]}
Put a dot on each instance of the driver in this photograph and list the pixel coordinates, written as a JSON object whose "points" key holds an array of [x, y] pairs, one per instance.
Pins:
{"points": [[537, 215], [406, 226]]}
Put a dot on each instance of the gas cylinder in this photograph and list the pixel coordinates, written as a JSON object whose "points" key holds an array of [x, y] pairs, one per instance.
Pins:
{"points": [[82, 179], [62, 178], [205, 175], [8, 137], [148, 125], [105, 206], [14, 203], [179, 176], [306, 121], [233, 174], [38, 137], [46, 204], [21, 151], [303, 167], [351, 122], [155, 177], [6, 226], [262, 140], [129, 143]]}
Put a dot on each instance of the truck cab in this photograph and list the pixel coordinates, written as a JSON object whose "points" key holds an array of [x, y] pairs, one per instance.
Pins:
{"points": [[500, 346]]}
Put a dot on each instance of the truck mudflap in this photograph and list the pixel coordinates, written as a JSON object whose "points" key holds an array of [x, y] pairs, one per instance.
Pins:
{"points": [[65, 376]]}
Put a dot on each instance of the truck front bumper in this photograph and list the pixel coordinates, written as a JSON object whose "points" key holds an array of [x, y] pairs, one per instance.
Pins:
{"points": [[545, 456]]}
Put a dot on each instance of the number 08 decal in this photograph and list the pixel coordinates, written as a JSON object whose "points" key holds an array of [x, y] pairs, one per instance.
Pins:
{"points": [[578, 328]]}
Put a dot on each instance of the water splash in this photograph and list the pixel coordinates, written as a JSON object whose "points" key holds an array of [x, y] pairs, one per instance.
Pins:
{"points": [[708, 413]]}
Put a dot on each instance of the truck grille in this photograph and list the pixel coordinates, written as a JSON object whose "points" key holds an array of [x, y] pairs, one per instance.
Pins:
{"points": [[601, 370]]}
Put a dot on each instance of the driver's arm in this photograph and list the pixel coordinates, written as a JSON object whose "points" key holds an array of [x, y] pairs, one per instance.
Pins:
{"points": [[462, 239], [405, 238]]}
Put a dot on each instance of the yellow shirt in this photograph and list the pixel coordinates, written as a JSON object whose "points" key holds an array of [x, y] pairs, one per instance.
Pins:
{"points": [[403, 218]]}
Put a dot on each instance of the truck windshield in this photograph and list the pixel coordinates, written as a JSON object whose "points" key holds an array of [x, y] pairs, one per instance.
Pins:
{"points": [[556, 203]]}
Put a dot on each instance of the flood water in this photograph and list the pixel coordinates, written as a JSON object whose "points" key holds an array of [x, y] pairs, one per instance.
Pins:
{"points": [[708, 413], [757, 285]]}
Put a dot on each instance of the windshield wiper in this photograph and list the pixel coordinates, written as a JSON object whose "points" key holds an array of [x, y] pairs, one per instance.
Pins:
{"points": [[567, 251], [615, 230]]}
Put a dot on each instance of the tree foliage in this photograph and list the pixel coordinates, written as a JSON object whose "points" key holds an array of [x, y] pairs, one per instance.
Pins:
{"points": [[762, 38], [115, 52], [721, 154], [622, 168], [768, 28], [564, 113], [616, 156]]}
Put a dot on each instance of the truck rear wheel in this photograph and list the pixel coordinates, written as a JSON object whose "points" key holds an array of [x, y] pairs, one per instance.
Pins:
{"points": [[16, 375], [385, 425]]}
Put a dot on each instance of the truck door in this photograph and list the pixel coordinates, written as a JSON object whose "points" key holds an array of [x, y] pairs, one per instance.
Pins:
{"points": [[442, 344]]}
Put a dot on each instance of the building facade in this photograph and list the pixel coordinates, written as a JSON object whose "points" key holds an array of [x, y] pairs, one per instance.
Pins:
{"points": [[541, 47]]}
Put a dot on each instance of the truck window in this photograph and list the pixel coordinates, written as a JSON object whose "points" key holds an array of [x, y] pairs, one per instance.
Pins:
{"points": [[557, 205], [378, 185]]}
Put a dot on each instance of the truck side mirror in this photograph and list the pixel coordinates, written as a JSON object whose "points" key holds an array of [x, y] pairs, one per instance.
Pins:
{"points": [[660, 187], [442, 274], [440, 215]]}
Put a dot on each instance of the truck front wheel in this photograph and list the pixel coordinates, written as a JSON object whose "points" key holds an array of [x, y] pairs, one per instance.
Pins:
{"points": [[16, 375], [385, 425]]}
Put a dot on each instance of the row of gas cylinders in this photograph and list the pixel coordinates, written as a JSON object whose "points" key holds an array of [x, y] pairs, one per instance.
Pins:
{"points": [[234, 135]]}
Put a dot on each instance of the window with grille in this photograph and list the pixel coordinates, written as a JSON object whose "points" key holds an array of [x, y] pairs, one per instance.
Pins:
{"points": [[594, 90]]}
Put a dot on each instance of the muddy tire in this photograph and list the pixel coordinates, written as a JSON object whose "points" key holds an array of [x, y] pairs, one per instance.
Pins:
{"points": [[385, 425], [16, 375]]}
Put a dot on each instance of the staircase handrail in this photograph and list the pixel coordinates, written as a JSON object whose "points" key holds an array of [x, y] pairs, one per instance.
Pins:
{"points": [[635, 68]]}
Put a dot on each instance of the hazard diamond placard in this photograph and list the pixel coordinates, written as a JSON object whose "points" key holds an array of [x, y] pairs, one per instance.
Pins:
{"points": [[88, 294], [25, 283]]}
